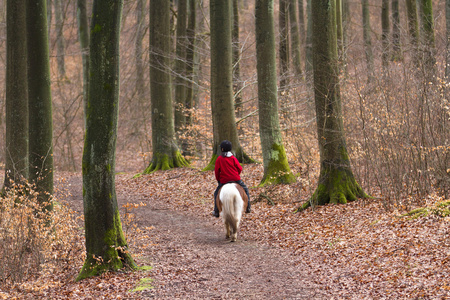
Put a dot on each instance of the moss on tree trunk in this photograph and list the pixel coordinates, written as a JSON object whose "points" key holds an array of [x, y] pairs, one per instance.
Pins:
{"points": [[114, 250], [162, 161], [277, 169]]}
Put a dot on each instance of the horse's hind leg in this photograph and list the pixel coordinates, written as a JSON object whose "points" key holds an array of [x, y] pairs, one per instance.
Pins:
{"points": [[227, 226], [233, 233]]}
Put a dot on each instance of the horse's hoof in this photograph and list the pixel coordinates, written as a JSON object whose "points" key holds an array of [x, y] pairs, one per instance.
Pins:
{"points": [[233, 240]]}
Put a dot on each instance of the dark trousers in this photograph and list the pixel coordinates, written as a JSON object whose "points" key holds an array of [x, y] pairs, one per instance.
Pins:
{"points": [[241, 183]]}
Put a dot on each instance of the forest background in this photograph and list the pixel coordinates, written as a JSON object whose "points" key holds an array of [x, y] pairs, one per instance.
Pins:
{"points": [[392, 122], [396, 116]]}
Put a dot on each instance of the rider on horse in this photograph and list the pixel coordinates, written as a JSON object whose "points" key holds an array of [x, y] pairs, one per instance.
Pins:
{"points": [[227, 170]]}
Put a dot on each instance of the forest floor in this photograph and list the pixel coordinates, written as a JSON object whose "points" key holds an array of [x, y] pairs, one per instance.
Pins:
{"points": [[361, 250]]}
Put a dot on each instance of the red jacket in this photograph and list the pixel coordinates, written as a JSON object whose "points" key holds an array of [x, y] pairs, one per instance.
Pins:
{"points": [[227, 169]]}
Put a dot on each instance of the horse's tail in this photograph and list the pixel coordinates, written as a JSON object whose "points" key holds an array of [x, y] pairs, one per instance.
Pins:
{"points": [[232, 205]]}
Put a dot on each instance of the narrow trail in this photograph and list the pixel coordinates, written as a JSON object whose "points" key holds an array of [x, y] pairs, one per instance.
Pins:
{"points": [[192, 260]]}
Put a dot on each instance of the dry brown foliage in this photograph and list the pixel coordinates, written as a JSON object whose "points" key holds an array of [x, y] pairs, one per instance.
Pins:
{"points": [[359, 250]]}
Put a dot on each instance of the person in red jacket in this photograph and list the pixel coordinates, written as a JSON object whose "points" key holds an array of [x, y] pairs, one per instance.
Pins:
{"points": [[228, 169]]}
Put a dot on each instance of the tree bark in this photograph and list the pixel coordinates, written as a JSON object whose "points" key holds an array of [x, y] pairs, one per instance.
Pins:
{"points": [[428, 41], [396, 47], [447, 26], [237, 83], [295, 38], [413, 28], [83, 37], [336, 181], [222, 106], [385, 35], [140, 30], [284, 48], [16, 102], [276, 166], [190, 58], [39, 102], [165, 151], [367, 33], [301, 25], [339, 30], [106, 247], [308, 46], [180, 68], [59, 26]]}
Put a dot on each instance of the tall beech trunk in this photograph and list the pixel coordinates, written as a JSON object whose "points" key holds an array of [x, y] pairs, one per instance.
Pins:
{"points": [[447, 27], [385, 35], [308, 46], [276, 166], [295, 38], [301, 24], [222, 106], [180, 68], [237, 83], [396, 47], [336, 181], [83, 37], [339, 29], [39, 102], [16, 102], [367, 33], [60, 45], [165, 151], [138, 52], [284, 42], [106, 247], [428, 40], [190, 58], [413, 28]]}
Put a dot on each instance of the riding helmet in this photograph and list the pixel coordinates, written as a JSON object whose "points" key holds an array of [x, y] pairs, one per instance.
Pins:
{"points": [[225, 146]]}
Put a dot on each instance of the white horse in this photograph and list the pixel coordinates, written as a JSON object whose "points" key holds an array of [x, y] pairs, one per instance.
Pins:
{"points": [[231, 201]]}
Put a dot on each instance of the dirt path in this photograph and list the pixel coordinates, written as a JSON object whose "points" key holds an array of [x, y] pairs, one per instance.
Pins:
{"points": [[192, 260]]}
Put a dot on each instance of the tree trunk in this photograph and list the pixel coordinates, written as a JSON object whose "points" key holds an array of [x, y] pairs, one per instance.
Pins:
{"points": [[106, 247], [385, 35], [447, 25], [301, 25], [49, 18], [336, 181], [396, 48], [222, 106], [190, 58], [180, 68], [413, 28], [83, 37], [429, 46], [346, 21], [39, 102], [367, 33], [237, 83], [339, 30], [284, 41], [140, 30], [295, 38], [16, 102], [276, 166], [308, 46], [59, 26], [165, 151]]}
